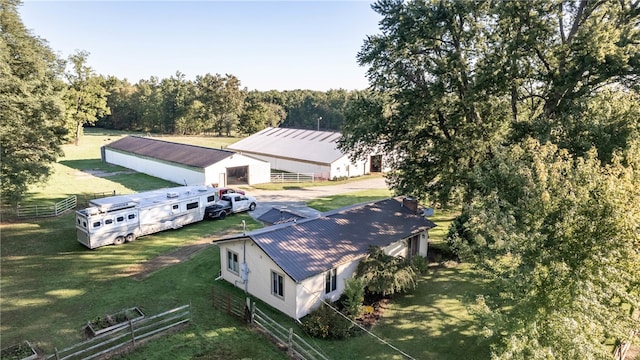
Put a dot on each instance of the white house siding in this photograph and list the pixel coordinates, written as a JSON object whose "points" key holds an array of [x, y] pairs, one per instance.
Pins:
{"points": [[311, 291], [259, 277], [163, 170], [299, 298]]}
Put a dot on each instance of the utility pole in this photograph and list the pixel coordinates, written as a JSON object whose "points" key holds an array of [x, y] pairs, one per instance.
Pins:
{"points": [[320, 118]]}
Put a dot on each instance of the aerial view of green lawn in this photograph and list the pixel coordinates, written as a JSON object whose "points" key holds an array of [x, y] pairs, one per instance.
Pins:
{"points": [[51, 285]]}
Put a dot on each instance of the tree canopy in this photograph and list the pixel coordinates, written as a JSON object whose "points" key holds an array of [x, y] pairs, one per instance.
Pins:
{"points": [[526, 115], [32, 107]]}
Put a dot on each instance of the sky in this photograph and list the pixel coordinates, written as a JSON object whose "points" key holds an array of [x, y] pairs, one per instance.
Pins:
{"points": [[267, 45]]}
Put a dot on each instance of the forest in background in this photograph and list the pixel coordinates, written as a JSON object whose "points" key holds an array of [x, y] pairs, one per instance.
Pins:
{"points": [[217, 104]]}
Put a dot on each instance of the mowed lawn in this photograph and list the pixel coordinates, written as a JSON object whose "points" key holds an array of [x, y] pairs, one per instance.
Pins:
{"points": [[51, 285]]}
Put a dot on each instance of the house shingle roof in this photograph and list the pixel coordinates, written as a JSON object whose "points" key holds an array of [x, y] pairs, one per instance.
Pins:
{"points": [[305, 145], [311, 246], [190, 155]]}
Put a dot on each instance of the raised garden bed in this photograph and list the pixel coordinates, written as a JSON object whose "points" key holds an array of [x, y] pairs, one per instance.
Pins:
{"points": [[23, 351], [106, 323]]}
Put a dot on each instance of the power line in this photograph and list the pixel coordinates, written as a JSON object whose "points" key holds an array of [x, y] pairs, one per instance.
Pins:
{"points": [[358, 325]]}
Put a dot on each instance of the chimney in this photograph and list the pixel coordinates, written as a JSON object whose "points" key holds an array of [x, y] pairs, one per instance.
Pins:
{"points": [[411, 204]]}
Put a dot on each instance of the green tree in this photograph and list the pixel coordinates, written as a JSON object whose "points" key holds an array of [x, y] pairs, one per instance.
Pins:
{"points": [[86, 97], [462, 77], [222, 98], [31, 105], [385, 274], [559, 238]]}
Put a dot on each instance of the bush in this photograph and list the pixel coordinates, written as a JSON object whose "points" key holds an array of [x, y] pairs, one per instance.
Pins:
{"points": [[420, 264], [327, 323], [353, 296]]}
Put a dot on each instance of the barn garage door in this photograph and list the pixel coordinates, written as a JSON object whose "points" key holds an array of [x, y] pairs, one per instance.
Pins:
{"points": [[238, 175]]}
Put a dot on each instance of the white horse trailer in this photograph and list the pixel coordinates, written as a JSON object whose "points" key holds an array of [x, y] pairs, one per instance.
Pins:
{"points": [[123, 218]]}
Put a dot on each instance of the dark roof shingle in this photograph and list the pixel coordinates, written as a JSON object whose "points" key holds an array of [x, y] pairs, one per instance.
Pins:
{"points": [[190, 155]]}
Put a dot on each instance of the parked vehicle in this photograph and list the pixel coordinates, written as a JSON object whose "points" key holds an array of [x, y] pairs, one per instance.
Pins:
{"points": [[230, 204], [123, 218], [230, 191]]}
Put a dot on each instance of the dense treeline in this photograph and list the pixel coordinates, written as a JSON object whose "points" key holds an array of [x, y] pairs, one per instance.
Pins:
{"points": [[218, 105]]}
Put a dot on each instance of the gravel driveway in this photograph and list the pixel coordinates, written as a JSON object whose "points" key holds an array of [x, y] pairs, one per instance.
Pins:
{"points": [[294, 200]]}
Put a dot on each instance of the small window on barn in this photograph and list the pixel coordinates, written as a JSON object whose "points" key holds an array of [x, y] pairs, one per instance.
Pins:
{"points": [[175, 207], [193, 205], [232, 262], [131, 216], [97, 224], [108, 222], [277, 284], [331, 281], [211, 198], [120, 219]]}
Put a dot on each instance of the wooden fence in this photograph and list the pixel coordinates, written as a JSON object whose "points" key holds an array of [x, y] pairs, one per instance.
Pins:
{"points": [[292, 177], [47, 210], [128, 335], [232, 304], [239, 307], [296, 346]]}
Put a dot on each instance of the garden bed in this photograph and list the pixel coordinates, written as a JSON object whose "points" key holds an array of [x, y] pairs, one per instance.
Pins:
{"points": [[23, 351], [106, 323]]}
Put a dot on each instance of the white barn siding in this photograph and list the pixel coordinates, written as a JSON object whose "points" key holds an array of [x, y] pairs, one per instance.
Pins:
{"points": [[153, 167], [258, 171]]}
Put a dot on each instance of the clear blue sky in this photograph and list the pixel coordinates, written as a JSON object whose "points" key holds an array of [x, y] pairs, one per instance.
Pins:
{"points": [[281, 45]]}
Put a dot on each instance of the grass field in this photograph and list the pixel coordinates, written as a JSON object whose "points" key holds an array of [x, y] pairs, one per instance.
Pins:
{"points": [[51, 285]]}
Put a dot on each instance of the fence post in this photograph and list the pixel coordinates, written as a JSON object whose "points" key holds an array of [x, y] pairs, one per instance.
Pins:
{"points": [[56, 351], [253, 312], [290, 342], [133, 335]]}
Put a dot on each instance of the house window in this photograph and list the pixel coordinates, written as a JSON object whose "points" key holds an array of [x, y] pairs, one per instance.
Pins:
{"points": [[120, 219], [277, 284], [108, 221], [131, 216], [96, 224], [232, 262], [174, 207], [211, 198], [330, 281], [192, 205]]}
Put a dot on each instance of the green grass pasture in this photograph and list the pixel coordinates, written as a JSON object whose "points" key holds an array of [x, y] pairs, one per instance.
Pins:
{"points": [[51, 285]]}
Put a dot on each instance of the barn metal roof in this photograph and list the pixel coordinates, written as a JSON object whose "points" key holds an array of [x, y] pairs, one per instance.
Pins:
{"points": [[191, 155], [306, 145], [311, 246]]}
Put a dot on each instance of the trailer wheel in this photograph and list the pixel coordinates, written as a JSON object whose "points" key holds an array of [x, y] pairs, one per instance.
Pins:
{"points": [[119, 240], [252, 206], [223, 214], [130, 238]]}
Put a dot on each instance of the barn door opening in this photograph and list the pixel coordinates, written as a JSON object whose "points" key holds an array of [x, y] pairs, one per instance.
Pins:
{"points": [[238, 175], [376, 163]]}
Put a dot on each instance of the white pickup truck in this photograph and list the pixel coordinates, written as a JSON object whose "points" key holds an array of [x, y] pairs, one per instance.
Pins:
{"points": [[230, 204]]}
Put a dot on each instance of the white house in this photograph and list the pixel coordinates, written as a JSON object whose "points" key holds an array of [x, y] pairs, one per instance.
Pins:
{"points": [[295, 265], [186, 164], [305, 151]]}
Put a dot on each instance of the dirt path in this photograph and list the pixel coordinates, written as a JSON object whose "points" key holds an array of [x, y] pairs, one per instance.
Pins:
{"points": [[282, 199]]}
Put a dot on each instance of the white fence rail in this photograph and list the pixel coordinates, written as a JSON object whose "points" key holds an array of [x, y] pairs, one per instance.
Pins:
{"points": [[47, 210], [296, 346], [292, 177], [127, 335]]}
